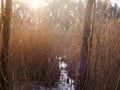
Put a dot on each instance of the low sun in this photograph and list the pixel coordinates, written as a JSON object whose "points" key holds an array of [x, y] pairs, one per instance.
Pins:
{"points": [[35, 3]]}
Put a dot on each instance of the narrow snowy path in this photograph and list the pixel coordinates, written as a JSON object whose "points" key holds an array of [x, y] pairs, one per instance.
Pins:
{"points": [[65, 83]]}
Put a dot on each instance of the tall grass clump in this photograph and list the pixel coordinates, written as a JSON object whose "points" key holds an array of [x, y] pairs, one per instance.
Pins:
{"points": [[32, 56]]}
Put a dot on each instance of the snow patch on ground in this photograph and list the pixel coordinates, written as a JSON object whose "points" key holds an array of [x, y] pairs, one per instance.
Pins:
{"points": [[65, 83]]}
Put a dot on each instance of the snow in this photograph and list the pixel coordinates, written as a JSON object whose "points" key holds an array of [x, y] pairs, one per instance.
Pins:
{"points": [[65, 83], [62, 65]]}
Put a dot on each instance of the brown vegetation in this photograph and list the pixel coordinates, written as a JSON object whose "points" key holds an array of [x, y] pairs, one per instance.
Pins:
{"points": [[35, 46]]}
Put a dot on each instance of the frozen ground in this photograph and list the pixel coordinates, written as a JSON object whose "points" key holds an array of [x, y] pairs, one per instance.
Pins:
{"points": [[65, 83]]}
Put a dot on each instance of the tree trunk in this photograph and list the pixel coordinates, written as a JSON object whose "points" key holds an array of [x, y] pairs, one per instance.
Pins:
{"points": [[5, 45], [81, 80], [2, 13]]}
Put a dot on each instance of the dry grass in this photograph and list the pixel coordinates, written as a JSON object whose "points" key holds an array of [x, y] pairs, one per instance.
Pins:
{"points": [[32, 56], [32, 48], [104, 56], [105, 59]]}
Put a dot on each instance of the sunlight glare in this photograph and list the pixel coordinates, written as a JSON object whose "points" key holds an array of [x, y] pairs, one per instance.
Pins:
{"points": [[115, 1], [35, 3]]}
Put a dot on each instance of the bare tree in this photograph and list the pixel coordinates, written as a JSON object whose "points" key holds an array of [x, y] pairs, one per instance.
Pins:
{"points": [[82, 77], [2, 13], [5, 45]]}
